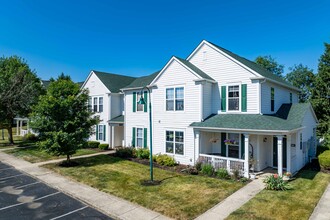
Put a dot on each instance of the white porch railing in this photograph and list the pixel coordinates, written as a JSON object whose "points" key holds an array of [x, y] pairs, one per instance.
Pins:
{"points": [[218, 162], [24, 132]]}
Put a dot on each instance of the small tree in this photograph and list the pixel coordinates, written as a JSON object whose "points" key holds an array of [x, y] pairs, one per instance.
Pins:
{"points": [[303, 78], [62, 118], [19, 90], [270, 64]]}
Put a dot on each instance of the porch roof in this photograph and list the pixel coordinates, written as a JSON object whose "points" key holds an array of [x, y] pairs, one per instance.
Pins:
{"points": [[117, 120], [289, 117]]}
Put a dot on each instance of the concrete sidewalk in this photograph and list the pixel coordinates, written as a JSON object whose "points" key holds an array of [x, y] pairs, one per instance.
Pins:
{"points": [[234, 201], [108, 204], [322, 210]]}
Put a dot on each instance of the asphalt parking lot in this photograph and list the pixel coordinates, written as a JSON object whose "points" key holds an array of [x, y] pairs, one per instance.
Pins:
{"points": [[23, 197]]}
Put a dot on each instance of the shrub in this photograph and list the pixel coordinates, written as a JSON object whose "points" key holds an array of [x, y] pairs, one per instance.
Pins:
{"points": [[142, 153], [324, 160], [93, 144], [275, 182], [222, 173], [207, 169], [125, 152], [236, 174], [190, 170], [198, 166], [104, 146], [30, 137], [165, 160]]}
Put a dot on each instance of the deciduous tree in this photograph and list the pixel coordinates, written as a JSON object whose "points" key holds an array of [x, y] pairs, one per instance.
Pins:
{"points": [[269, 63]]}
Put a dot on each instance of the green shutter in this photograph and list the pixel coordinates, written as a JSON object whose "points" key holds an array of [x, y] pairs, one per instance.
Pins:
{"points": [[104, 132], [223, 145], [223, 98], [134, 102], [97, 132], [242, 146], [244, 97], [146, 101], [145, 136], [133, 137]]}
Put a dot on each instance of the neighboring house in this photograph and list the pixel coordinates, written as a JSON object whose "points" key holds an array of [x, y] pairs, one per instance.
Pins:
{"points": [[107, 101], [218, 107]]}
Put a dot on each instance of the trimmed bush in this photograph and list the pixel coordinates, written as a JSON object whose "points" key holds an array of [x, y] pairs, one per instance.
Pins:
{"points": [[223, 173], [165, 160], [143, 153], [93, 144], [275, 182], [104, 146], [30, 137], [198, 166], [125, 152], [324, 160], [207, 169]]}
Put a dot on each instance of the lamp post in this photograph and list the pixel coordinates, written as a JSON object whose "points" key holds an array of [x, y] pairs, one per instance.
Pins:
{"points": [[142, 102]]}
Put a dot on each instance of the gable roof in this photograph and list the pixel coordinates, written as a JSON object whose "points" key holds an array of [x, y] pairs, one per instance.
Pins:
{"points": [[251, 65], [288, 117], [141, 81], [114, 82], [194, 68]]}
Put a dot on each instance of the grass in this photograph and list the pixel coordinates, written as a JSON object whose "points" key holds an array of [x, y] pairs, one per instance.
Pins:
{"points": [[297, 203], [178, 196], [34, 155], [5, 143]]}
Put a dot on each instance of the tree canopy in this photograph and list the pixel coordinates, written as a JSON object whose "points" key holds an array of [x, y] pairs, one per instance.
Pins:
{"points": [[320, 97], [19, 91], [62, 117], [303, 78], [269, 63]]}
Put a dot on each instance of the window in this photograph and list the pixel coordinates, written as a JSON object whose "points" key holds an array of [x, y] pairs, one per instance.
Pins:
{"points": [[100, 104], [290, 98], [95, 104], [175, 142], [272, 99], [233, 146], [175, 99], [100, 132], [139, 137], [139, 107], [90, 100], [233, 98], [301, 141]]}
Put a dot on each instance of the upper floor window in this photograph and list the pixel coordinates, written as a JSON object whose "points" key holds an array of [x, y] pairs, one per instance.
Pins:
{"points": [[174, 142], [90, 100], [139, 107], [272, 99], [100, 104], [233, 98], [97, 104], [175, 99]]}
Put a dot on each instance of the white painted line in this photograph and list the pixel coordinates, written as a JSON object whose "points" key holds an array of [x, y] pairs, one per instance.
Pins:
{"points": [[11, 176], [19, 187], [7, 168], [22, 203], [77, 210]]}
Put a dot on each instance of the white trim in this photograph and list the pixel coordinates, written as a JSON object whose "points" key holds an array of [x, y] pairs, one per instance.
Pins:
{"points": [[252, 131], [239, 97]]}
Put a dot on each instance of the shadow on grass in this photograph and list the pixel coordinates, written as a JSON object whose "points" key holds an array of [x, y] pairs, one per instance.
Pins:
{"points": [[97, 160], [307, 173]]}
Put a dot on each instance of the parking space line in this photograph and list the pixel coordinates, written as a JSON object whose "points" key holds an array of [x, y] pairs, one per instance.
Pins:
{"points": [[19, 187], [8, 177], [22, 203], [77, 210]]}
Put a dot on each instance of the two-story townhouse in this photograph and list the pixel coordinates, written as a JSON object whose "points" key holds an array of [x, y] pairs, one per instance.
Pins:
{"points": [[107, 101], [220, 108]]}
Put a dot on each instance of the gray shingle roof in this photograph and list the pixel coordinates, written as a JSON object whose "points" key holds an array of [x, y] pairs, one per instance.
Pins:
{"points": [[114, 82], [142, 81], [118, 119], [194, 68], [254, 66], [288, 117]]}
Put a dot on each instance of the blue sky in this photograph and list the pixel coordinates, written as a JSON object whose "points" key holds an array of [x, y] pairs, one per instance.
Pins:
{"points": [[138, 37]]}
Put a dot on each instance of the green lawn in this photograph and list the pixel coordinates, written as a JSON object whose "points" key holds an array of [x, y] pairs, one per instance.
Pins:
{"points": [[178, 196], [4, 143], [297, 203], [34, 155]]}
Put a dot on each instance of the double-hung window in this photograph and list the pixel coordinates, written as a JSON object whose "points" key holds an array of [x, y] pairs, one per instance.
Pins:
{"points": [[95, 104], [175, 99], [90, 100], [101, 132], [233, 145], [139, 107], [175, 142], [139, 137], [233, 98], [100, 104]]}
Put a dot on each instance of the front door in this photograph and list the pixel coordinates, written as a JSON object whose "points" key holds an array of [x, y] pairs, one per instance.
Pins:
{"points": [[275, 152]]}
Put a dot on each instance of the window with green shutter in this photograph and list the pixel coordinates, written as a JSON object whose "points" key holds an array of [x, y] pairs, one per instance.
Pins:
{"points": [[223, 98], [97, 132], [244, 97], [223, 145], [242, 146], [133, 136], [104, 133]]}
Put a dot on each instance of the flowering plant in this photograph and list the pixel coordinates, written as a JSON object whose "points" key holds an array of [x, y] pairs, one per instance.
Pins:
{"points": [[288, 174], [228, 141], [276, 182]]}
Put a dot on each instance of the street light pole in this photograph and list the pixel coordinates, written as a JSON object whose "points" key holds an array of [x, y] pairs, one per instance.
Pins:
{"points": [[142, 102]]}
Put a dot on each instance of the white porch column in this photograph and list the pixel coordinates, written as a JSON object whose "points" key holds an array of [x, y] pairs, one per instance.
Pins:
{"points": [[197, 146], [280, 155], [20, 127], [112, 136], [288, 153], [17, 125], [246, 154]]}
